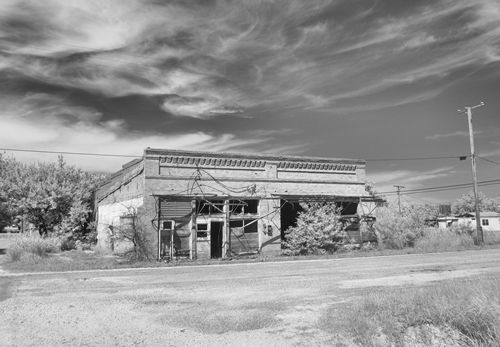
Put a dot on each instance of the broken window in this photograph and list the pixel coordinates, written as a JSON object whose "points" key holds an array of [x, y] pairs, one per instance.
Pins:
{"points": [[168, 225], [209, 207], [244, 236], [243, 226], [202, 230], [243, 206]]}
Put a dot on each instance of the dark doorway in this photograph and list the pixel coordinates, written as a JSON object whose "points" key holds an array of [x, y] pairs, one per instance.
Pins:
{"points": [[216, 229], [347, 207], [289, 212]]}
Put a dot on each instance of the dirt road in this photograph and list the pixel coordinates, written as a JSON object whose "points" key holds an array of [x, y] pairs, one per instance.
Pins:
{"points": [[258, 304]]}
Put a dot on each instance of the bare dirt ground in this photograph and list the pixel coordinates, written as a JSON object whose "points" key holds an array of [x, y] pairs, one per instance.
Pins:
{"points": [[256, 304]]}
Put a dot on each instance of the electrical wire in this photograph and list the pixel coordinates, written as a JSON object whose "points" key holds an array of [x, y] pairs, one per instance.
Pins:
{"points": [[488, 160], [70, 153], [140, 156], [440, 188], [460, 157]]}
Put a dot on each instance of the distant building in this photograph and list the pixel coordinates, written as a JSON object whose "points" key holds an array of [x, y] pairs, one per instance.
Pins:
{"points": [[215, 205], [489, 220]]}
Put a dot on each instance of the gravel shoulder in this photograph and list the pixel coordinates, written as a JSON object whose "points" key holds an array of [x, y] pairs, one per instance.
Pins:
{"points": [[272, 304]]}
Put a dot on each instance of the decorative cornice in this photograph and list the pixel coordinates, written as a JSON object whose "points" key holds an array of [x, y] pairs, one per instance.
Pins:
{"points": [[261, 180], [151, 153], [192, 161], [196, 161], [287, 165]]}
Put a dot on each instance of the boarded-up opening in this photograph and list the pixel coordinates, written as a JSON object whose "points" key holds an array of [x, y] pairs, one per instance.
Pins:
{"points": [[216, 230], [175, 209]]}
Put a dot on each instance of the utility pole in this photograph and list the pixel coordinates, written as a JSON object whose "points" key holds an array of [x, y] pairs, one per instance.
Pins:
{"points": [[399, 196], [479, 229]]}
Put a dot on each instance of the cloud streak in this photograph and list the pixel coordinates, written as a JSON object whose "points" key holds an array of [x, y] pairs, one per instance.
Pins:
{"points": [[453, 134], [42, 121], [385, 180]]}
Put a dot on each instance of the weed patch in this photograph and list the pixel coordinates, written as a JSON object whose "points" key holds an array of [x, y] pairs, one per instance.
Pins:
{"points": [[471, 309], [439, 240], [31, 248]]}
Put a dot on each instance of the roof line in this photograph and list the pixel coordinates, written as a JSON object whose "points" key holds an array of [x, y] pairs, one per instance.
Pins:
{"points": [[157, 151]]}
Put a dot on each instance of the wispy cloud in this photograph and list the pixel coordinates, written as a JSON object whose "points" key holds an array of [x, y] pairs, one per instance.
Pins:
{"points": [[385, 180], [221, 58], [42, 121], [453, 134]]}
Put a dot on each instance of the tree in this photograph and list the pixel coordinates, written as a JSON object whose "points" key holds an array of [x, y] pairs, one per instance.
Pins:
{"points": [[466, 204], [52, 196], [319, 230]]}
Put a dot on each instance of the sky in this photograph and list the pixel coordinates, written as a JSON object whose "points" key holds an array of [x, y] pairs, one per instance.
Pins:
{"points": [[342, 78]]}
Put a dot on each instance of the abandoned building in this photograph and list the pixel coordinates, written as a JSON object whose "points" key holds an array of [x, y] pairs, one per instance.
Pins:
{"points": [[218, 205]]}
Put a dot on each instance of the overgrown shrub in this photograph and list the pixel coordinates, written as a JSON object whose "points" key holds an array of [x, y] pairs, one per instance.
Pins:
{"points": [[396, 230], [463, 229], [67, 244], [318, 231], [26, 247]]}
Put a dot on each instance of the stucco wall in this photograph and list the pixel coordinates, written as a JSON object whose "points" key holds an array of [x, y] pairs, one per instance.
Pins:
{"points": [[108, 222]]}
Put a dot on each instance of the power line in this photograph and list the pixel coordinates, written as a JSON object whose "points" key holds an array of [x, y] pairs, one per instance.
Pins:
{"points": [[460, 157], [140, 156], [447, 189], [488, 160], [137, 156], [440, 188], [70, 153]]}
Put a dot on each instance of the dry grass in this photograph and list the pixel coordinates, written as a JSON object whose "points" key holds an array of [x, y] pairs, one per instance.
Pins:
{"points": [[491, 237], [470, 309], [65, 261], [440, 240], [31, 249]]}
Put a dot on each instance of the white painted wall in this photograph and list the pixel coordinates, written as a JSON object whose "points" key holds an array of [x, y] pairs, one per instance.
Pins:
{"points": [[493, 223], [109, 215]]}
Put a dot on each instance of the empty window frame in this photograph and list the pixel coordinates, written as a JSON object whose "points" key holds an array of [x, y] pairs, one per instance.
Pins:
{"points": [[202, 230], [209, 207], [248, 225], [168, 225], [244, 206]]}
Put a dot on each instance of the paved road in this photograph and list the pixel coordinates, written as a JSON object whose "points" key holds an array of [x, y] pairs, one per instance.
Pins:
{"points": [[244, 304]]}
